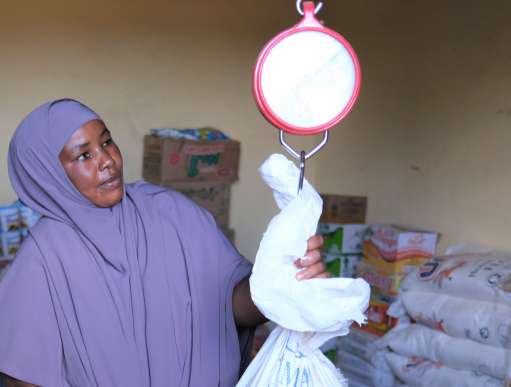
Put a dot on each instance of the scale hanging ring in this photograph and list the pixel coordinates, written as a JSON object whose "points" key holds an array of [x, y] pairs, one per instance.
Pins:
{"points": [[300, 10]]}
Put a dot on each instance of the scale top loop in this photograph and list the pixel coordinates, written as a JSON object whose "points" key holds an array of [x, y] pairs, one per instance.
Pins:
{"points": [[300, 10]]}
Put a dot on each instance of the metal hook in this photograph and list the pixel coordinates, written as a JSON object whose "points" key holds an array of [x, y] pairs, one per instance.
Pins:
{"points": [[302, 156], [300, 10], [302, 171]]}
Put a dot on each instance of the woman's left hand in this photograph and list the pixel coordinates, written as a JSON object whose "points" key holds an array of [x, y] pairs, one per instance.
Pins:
{"points": [[312, 265]]}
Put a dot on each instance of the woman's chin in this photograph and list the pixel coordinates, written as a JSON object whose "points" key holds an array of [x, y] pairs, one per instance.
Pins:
{"points": [[110, 197]]}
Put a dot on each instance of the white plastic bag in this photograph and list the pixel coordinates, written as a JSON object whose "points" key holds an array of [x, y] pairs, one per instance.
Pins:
{"points": [[290, 358], [308, 312]]}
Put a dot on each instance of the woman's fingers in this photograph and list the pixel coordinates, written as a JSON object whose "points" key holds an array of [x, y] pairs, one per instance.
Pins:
{"points": [[316, 270], [311, 258], [315, 242], [312, 265]]}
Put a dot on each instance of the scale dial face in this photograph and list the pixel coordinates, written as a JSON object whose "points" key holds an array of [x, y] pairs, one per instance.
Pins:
{"points": [[307, 78]]}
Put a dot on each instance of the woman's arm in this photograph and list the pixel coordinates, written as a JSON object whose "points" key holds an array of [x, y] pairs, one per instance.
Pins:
{"points": [[11, 382], [246, 313]]}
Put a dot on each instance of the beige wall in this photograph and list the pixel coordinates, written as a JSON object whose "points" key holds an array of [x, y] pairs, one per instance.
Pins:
{"points": [[427, 141]]}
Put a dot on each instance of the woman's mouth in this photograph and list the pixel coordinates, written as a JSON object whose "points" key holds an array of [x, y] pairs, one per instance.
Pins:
{"points": [[112, 183]]}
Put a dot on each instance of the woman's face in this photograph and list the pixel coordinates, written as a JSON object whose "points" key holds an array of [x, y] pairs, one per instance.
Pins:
{"points": [[93, 163]]}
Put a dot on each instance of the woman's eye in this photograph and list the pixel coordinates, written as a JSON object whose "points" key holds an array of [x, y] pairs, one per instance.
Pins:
{"points": [[84, 156], [108, 142]]}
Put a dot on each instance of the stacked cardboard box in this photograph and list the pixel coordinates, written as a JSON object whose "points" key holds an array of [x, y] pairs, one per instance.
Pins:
{"points": [[15, 220], [388, 254], [10, 226], [201, 169], [341, 225], [342, 247]]}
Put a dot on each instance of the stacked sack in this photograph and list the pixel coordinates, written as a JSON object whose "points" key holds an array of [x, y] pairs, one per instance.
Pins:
{"points": [[15, 220], [455, 323]]}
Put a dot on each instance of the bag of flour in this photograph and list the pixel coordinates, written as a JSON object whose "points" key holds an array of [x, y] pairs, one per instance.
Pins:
{"points": [[308, 312], [418, 372], [485, 322], [481, 276], [421, 341]]}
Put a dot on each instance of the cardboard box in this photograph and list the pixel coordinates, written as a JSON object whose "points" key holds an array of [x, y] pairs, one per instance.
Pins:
{"points": [[9, 218], [392, 243], [214, 197], [387, 276], [167, 160], [344, 266], [343, 209], [28, 217], [342, 238], [378, 322], [390, 253], [9, 243]]}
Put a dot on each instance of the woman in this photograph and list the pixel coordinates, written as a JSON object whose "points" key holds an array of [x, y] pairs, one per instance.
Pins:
{"points": [[116, 285]]}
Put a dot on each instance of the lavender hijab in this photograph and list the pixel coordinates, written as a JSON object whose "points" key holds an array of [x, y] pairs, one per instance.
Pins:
{"points": [[136, 295]]}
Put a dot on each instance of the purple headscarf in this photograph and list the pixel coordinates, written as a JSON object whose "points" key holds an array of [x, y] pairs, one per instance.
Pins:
{"points": [[41, 182], [139, 294]]}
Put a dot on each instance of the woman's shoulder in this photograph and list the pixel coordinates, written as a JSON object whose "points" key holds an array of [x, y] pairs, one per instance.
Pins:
{"points": [[43, 234], [46, 226], [43, 227], [27, 256]]}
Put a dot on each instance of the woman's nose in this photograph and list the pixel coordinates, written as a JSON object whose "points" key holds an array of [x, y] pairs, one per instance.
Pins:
{"points": [[106, 161]]}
